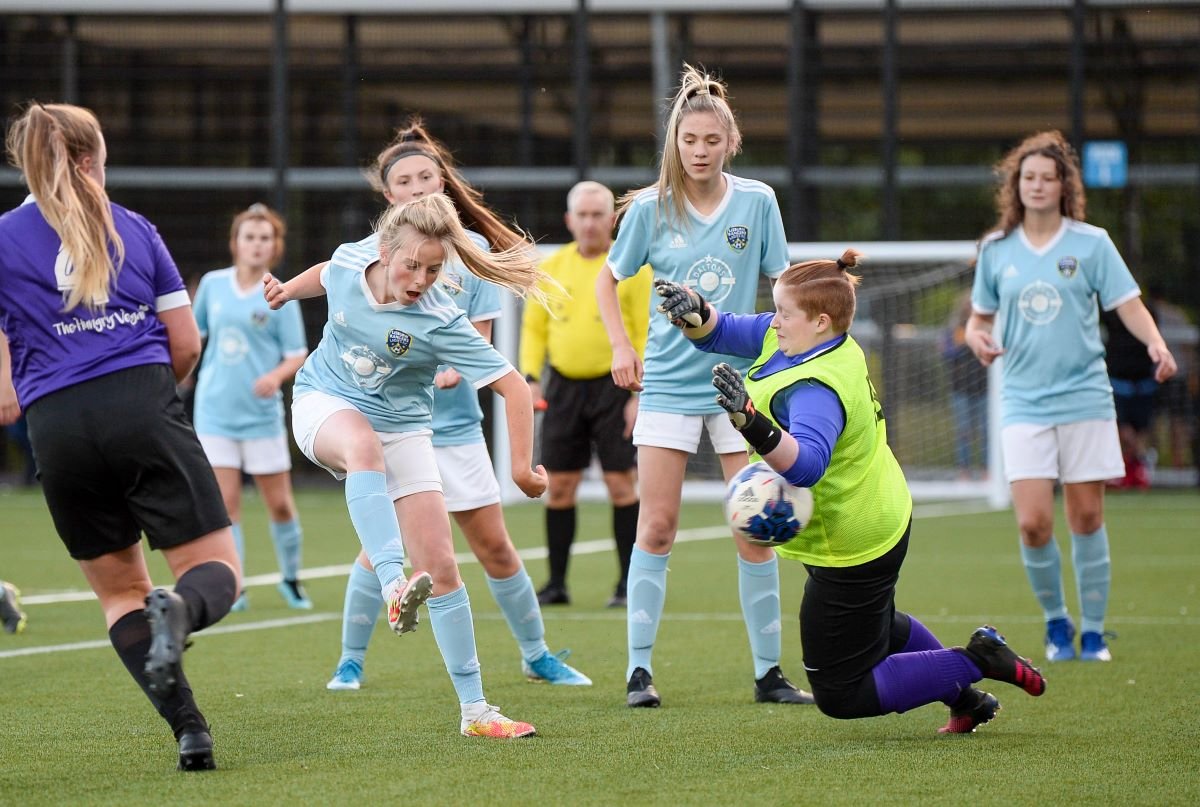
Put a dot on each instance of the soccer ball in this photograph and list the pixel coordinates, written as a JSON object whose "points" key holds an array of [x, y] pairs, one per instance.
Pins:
{"points": [[763, 508]]}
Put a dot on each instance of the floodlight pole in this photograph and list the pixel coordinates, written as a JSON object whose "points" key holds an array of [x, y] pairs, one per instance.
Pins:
{"points": [[797, 121], [1078, 72], [279, 108], [583, 92], [70, 61], [889, 151], [660, 72]]}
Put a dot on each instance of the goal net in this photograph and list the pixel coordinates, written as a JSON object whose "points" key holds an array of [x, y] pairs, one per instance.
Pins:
{"points": [[936, 398]]}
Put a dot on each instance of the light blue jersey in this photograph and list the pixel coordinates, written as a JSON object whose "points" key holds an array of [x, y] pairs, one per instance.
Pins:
{"points": [[382, 357], [246, 340], [721, 256], [1047, 320], [456, 413]]}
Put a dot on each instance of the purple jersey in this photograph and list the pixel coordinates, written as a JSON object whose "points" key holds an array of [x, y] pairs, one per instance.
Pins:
{"points": [[52, 348]]}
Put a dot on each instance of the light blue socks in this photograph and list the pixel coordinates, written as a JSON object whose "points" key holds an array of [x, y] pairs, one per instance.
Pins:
{"points": [[647, 591], [374, 519], [239, 542], [454, 631], [758, 589], [1043, 565], [288, 539], [518, 602], [361, 609], [1089, 555]]}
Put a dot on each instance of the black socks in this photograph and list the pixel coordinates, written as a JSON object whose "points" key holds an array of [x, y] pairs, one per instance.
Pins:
{"points": [[624, 524], [209, 590], [560, 534], [130, 637]]}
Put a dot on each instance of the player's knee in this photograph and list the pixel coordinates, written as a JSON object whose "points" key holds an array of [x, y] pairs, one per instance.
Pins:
{"points": [[498, 558], [656, 530], [362, 450], [1036, 529], [1087, 522], [282, 512], [838, 703]]}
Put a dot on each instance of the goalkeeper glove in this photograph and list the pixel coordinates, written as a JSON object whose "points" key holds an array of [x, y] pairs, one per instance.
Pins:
{"points": [[682, 305], [759, 431]]}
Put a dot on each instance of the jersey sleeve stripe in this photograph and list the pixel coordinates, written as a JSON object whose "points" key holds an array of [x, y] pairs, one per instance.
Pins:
{"points": [[494, 377], [175, 299], [1124, 298]]}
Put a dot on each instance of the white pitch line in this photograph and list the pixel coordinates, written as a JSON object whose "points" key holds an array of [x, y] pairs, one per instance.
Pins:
{"points": [[266, 624], [606, 616], [590, 547]]}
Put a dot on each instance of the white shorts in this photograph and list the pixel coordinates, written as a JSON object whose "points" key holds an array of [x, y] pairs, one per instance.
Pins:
{"points": [[407, 456], [468, 481], [257, 456], [1087, 451], [682, 432]]}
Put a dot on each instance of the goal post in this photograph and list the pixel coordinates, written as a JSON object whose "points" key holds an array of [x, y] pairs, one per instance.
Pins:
{"points": [[942, 410]]}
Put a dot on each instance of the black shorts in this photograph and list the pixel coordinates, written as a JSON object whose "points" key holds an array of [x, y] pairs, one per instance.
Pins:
{"points": [[117, 456], [580, 415], [847, 619]]}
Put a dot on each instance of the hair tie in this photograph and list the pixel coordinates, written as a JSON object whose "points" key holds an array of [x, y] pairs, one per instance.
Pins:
{"points": [[387, 168], [842, 264]]}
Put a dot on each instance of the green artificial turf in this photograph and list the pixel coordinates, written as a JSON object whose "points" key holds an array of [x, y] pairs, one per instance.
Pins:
{"points": [[77, 730]]}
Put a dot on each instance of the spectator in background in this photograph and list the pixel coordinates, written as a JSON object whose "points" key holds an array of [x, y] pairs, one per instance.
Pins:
{"points": [[1135, 391], [968, 391], [565, 356]]}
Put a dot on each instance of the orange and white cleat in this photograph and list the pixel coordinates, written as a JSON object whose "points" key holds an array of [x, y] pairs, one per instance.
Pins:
{"points": [[403, 598], [484, 720]]}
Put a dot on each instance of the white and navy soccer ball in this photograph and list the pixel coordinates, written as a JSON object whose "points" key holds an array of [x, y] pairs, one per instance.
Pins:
{"points": [[763, 508]]}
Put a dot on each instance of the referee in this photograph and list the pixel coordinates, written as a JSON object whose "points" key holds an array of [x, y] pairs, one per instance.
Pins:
{"points": [[96, 354], [566, 357]]}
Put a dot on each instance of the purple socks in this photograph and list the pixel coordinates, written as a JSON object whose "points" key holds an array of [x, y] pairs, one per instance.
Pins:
{"points": [[922, 673]]}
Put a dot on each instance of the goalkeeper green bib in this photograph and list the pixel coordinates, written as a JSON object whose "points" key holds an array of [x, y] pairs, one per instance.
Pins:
{"points": [[861, 506]]}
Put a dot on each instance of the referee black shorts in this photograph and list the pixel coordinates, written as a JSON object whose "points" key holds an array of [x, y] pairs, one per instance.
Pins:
{"points": [[117, 457], [847, 621], [582, 414]]}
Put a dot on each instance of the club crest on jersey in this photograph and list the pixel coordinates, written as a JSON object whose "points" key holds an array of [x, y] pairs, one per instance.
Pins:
{"points": [[260, 318], [1068, 266], [398, 341], [737, 237]]}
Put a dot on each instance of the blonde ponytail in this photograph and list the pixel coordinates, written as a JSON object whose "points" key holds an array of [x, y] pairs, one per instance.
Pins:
{"points": [[698, 92], [47, 145], [435, 217]]}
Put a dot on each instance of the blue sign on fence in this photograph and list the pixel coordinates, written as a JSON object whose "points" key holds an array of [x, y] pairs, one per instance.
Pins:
{"points": [[1105, 164]]}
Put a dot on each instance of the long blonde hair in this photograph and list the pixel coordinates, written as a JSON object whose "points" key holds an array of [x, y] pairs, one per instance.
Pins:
{"points": [[698, 92], [47, 145], [434, 217]]}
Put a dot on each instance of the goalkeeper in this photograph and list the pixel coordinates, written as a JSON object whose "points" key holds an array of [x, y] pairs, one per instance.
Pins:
{"points": [[862, 656]]}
